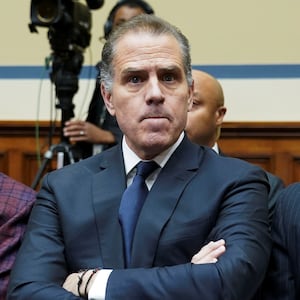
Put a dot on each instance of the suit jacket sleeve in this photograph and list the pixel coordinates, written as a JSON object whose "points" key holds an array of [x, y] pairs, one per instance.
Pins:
{"points": [[44, 280]]}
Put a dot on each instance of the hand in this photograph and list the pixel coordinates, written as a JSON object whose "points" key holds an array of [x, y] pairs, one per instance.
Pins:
{"points": [[82, 131], [71, 283], [80, 283], [209, 253]]}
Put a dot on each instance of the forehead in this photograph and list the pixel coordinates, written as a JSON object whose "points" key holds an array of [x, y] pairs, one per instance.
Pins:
{"points": [[145, 50]]}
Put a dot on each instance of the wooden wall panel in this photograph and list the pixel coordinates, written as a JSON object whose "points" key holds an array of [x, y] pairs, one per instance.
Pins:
{"points": [[295, 164], [18, 148], [3, 161], [273, 146]]}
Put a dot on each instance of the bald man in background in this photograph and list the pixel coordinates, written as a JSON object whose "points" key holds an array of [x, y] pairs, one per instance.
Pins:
{"points": [[206, 116], [205, 120]]}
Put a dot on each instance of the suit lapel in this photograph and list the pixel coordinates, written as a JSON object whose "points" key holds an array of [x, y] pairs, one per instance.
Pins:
{"points": [[162, 201], [108, 187]]}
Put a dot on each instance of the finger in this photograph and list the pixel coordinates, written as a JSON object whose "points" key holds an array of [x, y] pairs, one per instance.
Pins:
{"points": [[211, 257], [74, 127], [72, 122], [70, 282], [209, 252], [77, 138], [211, 246], [203, 251]]}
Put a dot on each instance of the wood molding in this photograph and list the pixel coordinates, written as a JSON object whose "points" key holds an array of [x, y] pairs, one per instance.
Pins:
{"points": [[26, 128], [229, 129], [261, 129]]}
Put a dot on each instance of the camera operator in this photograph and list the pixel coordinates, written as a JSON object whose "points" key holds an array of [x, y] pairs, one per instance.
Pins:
{"points": [[100, 130]]}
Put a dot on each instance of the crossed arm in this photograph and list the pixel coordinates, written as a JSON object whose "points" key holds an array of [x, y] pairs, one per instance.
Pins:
{"points": [[241, 222], [80, 283]]}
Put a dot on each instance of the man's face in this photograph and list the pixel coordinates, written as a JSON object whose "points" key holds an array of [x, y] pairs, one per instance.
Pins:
{"points": [[206, 114], [150, 95]]}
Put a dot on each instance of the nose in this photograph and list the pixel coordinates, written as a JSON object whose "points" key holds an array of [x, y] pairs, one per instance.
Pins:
{"points": [[154, 93]]}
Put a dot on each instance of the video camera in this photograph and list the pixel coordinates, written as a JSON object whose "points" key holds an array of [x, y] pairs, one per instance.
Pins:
{"points": [[69, 22]]}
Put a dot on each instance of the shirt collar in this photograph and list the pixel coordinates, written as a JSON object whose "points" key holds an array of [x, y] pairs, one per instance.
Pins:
{"points": [[216, 148], [131, 159]]}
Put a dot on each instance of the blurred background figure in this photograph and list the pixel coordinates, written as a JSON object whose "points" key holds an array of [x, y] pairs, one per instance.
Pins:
{"points": [[207, 114], [283, 277], [205, 121], [16, 201], [100, 130]]}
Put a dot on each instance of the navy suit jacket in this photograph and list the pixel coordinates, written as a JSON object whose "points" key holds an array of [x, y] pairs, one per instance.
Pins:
{"points": [[198, 196], [283, 278]]}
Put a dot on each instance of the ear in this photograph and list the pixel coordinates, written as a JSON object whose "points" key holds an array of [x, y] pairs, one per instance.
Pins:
{"points": [[221, 114], [107, 97], [190, 98]]}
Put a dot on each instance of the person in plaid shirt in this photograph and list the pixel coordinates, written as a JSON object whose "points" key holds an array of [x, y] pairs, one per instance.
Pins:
{"points": [[16, 201]]}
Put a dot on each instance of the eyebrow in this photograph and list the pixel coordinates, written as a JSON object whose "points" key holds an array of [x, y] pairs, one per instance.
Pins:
{"points": [[131, 70], [173, 68]]}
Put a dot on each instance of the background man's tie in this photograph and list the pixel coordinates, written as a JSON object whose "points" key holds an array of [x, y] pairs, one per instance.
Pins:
{"points": [[132, 202]]}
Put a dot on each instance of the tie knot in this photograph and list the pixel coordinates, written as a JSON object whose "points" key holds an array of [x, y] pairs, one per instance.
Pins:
{"points": [[145, 168]]}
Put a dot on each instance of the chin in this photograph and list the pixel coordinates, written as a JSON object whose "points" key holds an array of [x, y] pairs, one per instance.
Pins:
{"points": [[158, 140]]}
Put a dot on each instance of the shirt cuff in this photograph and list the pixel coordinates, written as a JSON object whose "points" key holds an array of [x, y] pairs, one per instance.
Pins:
{"points": [[98, 288]]}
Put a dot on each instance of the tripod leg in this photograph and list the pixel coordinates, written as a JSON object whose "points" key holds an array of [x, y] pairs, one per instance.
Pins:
{"points": [[62, 150], [47, 157], [69, 151], [60, 160]]}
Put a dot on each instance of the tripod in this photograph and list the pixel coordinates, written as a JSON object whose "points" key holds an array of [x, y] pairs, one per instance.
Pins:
{"points": [[65, 72]]}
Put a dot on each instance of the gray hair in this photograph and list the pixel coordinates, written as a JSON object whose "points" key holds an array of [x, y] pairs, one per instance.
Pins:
{"points": [[148, 24]]}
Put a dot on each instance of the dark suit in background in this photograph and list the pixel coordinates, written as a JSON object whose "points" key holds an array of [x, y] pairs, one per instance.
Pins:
{"points": [[283, 279], [16, 201], [276, 186], [198, 196]]}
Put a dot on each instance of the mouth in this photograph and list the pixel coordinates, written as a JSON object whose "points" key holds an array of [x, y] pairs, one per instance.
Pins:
{"points": [[155, 123], [154, 116]]}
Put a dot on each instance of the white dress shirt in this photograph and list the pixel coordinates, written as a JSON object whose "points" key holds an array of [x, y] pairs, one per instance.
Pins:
{"points": [[216, 148], [98, 288]]}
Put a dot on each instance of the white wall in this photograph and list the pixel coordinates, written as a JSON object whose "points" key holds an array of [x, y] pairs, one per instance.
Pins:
{"points": [[221, 33]]}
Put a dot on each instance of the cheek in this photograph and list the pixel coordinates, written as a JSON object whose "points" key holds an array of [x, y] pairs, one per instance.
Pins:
{"points": [[195, 116], [191, 121]]}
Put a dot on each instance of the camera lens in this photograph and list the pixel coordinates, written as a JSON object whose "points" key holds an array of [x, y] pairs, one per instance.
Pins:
{"points": [[47, 11]]}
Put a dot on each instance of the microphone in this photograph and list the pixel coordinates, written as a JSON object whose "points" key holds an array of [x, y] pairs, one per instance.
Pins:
{"points": [[95, 4]]}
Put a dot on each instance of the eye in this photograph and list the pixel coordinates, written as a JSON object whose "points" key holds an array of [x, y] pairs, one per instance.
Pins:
{"points": [[168, 77], [197, 102], [135, 79]]}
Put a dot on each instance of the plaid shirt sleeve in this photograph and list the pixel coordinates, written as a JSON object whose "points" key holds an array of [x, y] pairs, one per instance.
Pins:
{"points": [[16, 201]]}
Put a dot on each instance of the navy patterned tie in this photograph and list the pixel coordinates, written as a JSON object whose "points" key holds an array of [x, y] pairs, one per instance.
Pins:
{"points": [[132, 203]]}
